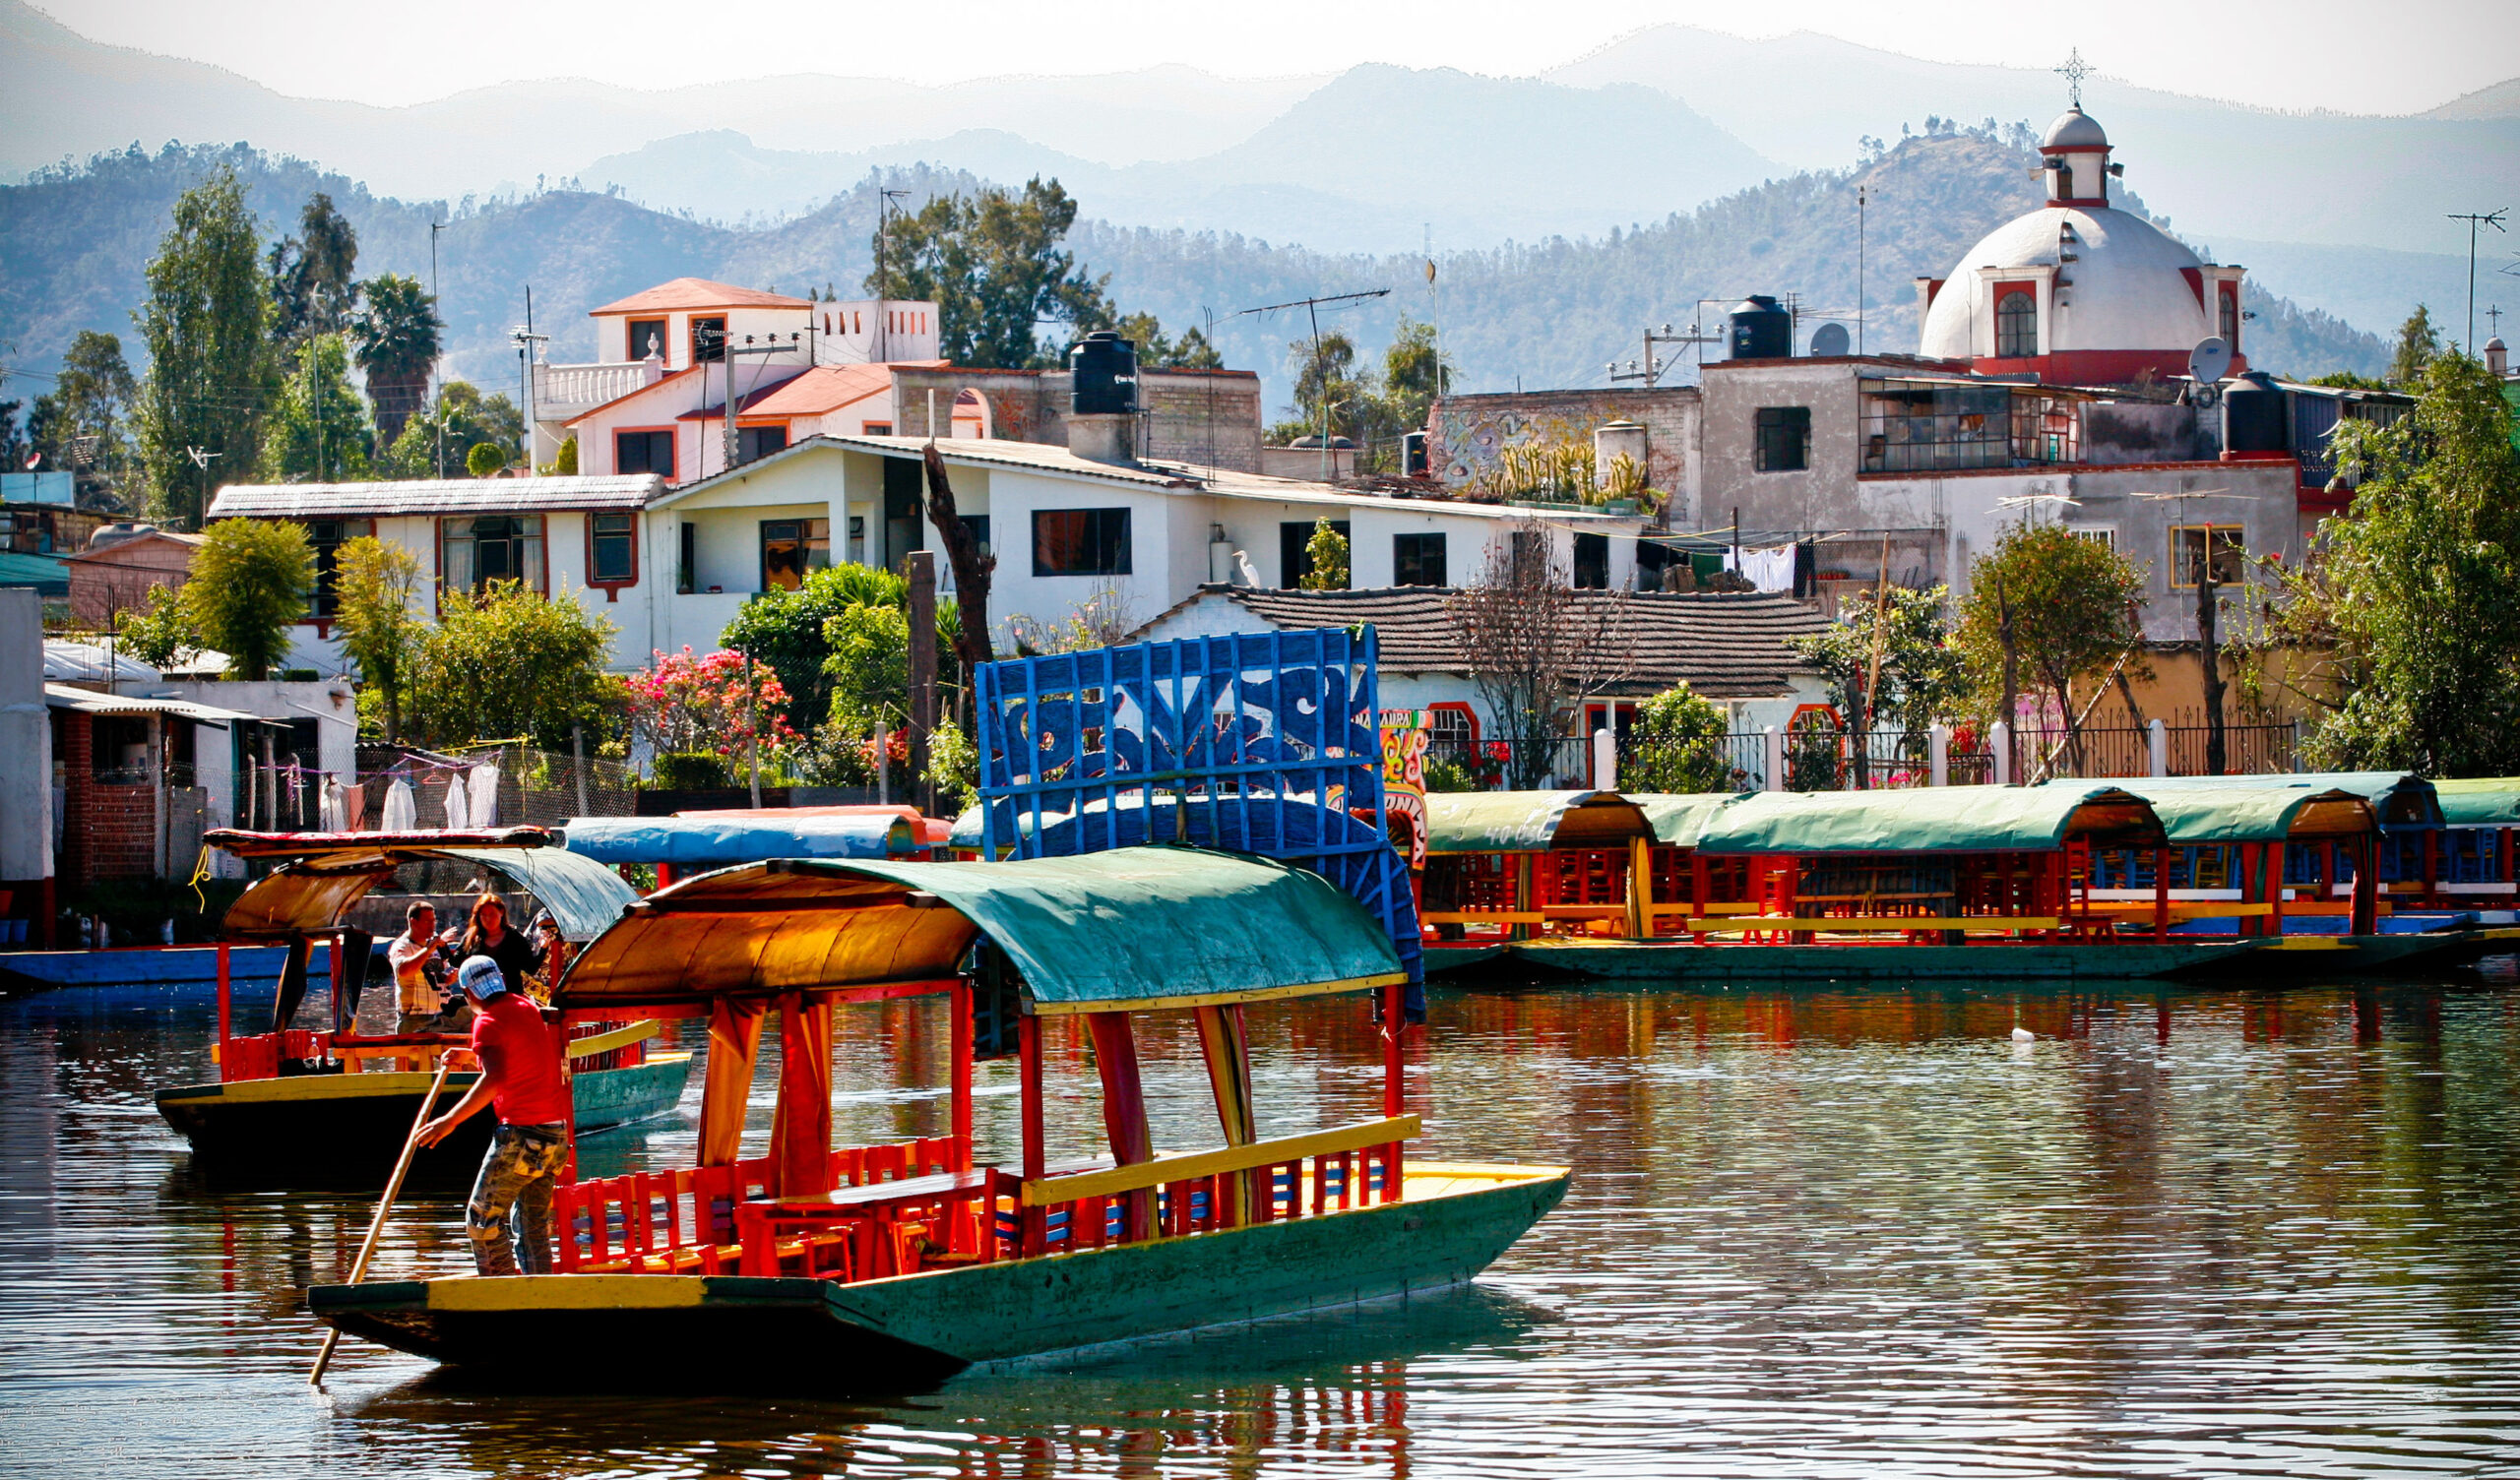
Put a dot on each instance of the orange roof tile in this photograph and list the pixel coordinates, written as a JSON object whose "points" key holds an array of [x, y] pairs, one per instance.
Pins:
{"points": [[825, 388], [696, 292]]}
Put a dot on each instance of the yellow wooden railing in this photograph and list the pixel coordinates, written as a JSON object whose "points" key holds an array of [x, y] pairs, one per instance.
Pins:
{"points": [[1187, 1165]]}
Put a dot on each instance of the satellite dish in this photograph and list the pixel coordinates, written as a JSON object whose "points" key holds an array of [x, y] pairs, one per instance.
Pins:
{"points": [[1829, 341], [2209, 361]]}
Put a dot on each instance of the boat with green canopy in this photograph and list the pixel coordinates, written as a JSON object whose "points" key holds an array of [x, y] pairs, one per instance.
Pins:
{"points": [[1509, 866], [887, 1267], [330, 1106]]}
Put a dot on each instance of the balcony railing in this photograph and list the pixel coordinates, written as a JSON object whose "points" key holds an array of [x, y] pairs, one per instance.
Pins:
{"points": [[556, 386]]}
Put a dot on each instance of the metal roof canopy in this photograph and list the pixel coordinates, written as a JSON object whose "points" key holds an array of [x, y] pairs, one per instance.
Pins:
{"points": [[317, 886], [2480, 802], [716, 842], [1679, 818], [1531, 822], [2399, 798], [1128, 929], [88, 701], [1931, 820]]}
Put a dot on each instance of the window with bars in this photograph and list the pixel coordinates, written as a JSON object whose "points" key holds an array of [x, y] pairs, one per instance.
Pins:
{"points": [[612, 553], [1418, 560], [2192, 545], [2017, 325], [1783, 439]]}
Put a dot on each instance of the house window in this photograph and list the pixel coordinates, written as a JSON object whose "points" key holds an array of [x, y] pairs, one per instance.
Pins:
{"points": [[789, 547], [2231, 316], [978, 524], [327, 535], [647, 338], [857, 540], [1081, 542], [2065, 181], [876, 429], [754, 443], [708, 339], [1784, 439], [2189, 545], [2104, 535], [1527, 557], [473, 552], [687, 559], [612, 549], [1591, 562], [643, 452], [1452, 733], [2016, 325], [1295, 549], [1418, 560]]}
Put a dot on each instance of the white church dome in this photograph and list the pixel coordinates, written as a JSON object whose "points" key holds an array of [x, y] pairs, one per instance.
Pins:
{"points": [[2075, 129]]}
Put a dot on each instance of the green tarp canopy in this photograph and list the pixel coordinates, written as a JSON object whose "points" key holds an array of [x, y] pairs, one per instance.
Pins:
{"points": [[1679, 817], [2398, 798], [1929, 820], [2485, 802], [1530, 822], [2204, 810], [316, 888], [1131, 928]]}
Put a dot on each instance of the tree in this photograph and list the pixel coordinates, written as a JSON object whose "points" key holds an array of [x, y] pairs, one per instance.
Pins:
{"points": [[312, 287], [2051, 602], [974, 568], [319, 430], [785, 629], [2419, 344], [1412, 377], [992, 264], [1888, 657], [1192, 351], [462, 420], [212, 375], [82, 424], [159, 630], [2419, 585], [1326, 388], [376, 590], [511, 662], [1327, 552], [682, 705], [249, 586], [1681, 743], [398, 348], [485, 459], [1529, 657]]}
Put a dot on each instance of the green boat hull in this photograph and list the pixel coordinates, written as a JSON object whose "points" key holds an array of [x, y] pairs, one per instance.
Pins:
{"points": [[731, 1333], [2300, 955], [1440, 958]]}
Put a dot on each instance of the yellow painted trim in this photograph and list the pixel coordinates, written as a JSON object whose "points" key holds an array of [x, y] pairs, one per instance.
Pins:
{"points": [[2203, 909], [1217, 999], [1186, 1165], [2307, 943], [1482, 917], [321, 1086], [567, 1292], [1997, 924], [619, 1037]]}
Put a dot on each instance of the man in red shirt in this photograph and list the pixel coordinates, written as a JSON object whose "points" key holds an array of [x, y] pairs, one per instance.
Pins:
{"points": [[521, 1073]]}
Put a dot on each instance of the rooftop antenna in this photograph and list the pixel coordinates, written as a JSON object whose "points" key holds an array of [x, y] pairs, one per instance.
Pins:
{"points": [[1312, 310], [2073, 72], [1434, 311], [525, 339], [2475, 219]]}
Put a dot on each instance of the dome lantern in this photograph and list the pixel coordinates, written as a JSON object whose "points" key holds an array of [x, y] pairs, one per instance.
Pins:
{"points": [[2076, 155]]}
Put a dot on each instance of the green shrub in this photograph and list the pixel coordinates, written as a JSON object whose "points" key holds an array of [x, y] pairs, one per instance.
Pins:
{"points": [[693, 771]]}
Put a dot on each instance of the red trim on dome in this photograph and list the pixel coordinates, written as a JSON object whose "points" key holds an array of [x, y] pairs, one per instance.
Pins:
{"points": [[2096, 367], [2195, 283]]}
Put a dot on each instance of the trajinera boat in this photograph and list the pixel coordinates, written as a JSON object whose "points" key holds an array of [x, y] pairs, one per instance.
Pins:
{"points": [[330, 1106], [887, 1267]]}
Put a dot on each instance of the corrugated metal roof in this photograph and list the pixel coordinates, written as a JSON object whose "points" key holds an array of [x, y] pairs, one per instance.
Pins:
{"points": [[89, 701], [432, 496]]}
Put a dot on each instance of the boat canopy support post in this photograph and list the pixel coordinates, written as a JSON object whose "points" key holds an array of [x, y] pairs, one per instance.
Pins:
{"points": [[1640, 888], [293, 983], [1036, 1152], [226, 999], [734, 1039], [800, 1126], [2161, 893], [1124, 1119], [1395, 1022], [1225, 1042], [960, 1014], [2366, 886]]}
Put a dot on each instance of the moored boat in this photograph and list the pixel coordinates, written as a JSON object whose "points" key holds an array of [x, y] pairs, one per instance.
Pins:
{"points": [[329, 1106], [889, 1267]]}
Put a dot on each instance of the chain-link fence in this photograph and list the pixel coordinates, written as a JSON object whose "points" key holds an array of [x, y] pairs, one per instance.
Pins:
{"points": [[535, 788]]}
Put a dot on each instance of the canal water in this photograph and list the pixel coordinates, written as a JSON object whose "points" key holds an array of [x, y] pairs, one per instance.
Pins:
{"points": [[1812, 1232]]}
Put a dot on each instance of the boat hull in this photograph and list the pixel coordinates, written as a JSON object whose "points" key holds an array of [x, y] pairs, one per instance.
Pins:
{"points": [[154, 967], [343, 1131], [704, 1333], [1687, 960], [1441, 957]]}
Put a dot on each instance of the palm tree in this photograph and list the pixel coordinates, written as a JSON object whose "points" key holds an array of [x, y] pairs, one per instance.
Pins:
{"points": [[397, 348]]}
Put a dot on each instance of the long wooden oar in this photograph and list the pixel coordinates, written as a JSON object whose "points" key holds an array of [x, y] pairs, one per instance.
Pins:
{"points": [[384, 1206]]}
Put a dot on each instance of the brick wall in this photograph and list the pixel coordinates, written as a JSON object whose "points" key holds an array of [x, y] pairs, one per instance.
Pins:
{"points": [[108, 832], [1465, 433], [1187, 414]]}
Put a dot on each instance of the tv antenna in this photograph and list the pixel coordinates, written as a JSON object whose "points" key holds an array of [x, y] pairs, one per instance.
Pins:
{"points": [[2476, 220], [1312, 311]]}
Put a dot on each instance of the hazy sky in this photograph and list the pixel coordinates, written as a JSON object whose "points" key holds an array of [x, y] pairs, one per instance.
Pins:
{"points": [[2349, 55]]}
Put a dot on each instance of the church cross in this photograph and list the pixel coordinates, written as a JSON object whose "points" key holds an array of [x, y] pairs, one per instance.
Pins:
{"points": [[2493, 317], [2073, 72]]}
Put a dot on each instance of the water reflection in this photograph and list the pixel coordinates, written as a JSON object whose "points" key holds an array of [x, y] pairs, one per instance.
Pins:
{"points": [[1816, 1231]]}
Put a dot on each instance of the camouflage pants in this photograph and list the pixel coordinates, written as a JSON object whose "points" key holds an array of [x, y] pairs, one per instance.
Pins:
{"points": [[511, 1202]]}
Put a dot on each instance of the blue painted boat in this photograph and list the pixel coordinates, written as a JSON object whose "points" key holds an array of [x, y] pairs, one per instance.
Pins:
{"points": [[145, 966]]}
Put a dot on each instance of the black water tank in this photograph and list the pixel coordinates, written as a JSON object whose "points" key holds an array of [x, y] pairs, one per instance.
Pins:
{"points": [[1412, 455], [1105, 370], [2254, 419], [1761, 331]]}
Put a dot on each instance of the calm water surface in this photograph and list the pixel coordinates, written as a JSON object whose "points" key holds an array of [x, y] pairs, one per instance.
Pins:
{"points": [[1812, 1232]]}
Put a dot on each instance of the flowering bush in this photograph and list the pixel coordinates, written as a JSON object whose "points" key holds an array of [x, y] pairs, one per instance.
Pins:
{"points": [[684, 703]]}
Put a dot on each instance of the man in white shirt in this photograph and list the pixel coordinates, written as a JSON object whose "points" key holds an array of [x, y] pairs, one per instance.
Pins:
{"points": [[419, 1000]]}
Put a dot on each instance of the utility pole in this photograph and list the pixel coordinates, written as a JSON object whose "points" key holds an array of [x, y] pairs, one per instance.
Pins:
{"points": [[884, 207], [437, 317], [1863, 198], [1650, 369], [2475, 219]]}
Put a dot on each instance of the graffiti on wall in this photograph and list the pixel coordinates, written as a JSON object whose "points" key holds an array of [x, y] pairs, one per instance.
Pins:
{"points": [[1405, 733]]}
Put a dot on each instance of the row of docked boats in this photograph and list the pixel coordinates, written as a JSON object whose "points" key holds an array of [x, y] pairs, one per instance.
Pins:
{"points": [[2161, 877]]}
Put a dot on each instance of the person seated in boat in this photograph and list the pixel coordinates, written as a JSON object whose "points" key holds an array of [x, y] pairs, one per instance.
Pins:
{"points": [[489, 935], [549, 947], [508, 1217], [421, 979]]}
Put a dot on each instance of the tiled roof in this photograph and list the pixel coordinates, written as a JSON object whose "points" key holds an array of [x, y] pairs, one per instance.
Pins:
{"points": [[825, 388], [696, 292], [1724, 645], [428, 496], [746, 404]]}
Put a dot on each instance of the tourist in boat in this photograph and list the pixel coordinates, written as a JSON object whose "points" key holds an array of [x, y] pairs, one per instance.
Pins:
{"points": [[489, 935], [420, 981], [508, 1217]]}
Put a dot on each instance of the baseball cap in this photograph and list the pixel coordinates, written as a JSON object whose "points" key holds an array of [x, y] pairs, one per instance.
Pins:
{"points": [[481, 976]]}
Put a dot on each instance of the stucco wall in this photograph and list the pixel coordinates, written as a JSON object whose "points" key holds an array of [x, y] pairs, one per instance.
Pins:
{"points": [[1467, 433]]}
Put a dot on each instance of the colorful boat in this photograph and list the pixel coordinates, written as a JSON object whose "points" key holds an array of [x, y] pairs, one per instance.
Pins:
{"points": [[292, 1106], [1504, 867], [883, 1269]]}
